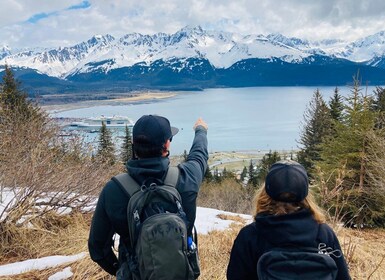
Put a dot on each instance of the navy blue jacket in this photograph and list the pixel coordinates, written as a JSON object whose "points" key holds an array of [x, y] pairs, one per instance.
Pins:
{"points": [[110, 215], [268, 231]]}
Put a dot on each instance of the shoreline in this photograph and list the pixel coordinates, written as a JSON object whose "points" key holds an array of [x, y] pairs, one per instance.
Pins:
{"points": [[119, 100], [235, 160]]}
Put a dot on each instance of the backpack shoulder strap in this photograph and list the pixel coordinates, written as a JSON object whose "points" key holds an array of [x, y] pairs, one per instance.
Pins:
{"points": [[130, 186], [127, 183], [172, 176]]}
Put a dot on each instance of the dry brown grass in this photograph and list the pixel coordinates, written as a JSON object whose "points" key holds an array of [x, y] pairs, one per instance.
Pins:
{"points": [[214, 252], [366, 260], [57, 235], [214, 249]]}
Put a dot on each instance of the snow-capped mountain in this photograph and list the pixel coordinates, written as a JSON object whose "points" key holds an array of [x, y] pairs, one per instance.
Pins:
{"points": [[4, 52], [194, 53], [222, 49], [364, 49]]}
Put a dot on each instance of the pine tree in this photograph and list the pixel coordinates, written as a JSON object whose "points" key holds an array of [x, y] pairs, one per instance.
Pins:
{"points": [[252, 174], [243, 174], [11, 95], [208, 175], [317, 127], [378, 106], [336, 106], [14, 101], [185, 155], [216, 175], [348, 150], [224, 173], [126, 149], [106, 148], [19, 117]]}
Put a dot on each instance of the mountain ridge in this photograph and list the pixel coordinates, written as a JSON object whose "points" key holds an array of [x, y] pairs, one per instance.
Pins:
{"points": [[194, 55]]}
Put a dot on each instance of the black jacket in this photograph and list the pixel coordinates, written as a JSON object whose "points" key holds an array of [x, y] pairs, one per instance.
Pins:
{"points": [[269, 231], [110, 215]]}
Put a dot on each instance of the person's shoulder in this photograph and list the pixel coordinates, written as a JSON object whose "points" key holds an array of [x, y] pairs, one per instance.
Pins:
{"points": [[248, 231], [111, 188], [326, 232]]}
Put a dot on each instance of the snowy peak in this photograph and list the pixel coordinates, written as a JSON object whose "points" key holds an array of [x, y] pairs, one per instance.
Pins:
{"points": [[4, 51], [103, 53], [365, 49], [291, 42]]}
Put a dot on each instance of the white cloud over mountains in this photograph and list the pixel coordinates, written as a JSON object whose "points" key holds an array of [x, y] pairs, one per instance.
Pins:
{"points": [[28, 23]]}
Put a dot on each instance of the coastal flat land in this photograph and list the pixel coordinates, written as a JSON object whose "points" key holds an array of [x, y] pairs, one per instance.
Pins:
{"points": [[60, 103], [234, 161]]}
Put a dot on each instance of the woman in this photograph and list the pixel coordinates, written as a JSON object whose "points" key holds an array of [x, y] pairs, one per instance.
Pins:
{"points": [[286, 217]]}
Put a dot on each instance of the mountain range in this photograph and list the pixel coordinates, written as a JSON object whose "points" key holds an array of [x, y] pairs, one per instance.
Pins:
{"points": [[194, 58]]}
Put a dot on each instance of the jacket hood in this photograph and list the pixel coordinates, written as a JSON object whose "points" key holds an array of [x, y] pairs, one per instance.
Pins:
{"points": [[294, 228], [146, 169]]}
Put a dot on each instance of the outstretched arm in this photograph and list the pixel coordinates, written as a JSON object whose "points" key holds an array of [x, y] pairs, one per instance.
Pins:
{"points": [[192, 171]]}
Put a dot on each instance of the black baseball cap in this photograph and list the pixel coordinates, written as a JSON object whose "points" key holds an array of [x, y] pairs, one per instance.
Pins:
{"points": [[153, 130], [287, 177]]}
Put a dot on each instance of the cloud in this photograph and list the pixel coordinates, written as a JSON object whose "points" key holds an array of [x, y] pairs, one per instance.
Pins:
{"points": [[53, 23]]}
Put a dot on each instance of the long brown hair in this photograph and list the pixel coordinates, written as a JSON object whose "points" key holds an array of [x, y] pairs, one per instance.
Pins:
{"points": [[265, 204]]}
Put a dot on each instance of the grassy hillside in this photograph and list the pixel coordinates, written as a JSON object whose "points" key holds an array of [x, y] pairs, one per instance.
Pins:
{"points": [[67, 235]]}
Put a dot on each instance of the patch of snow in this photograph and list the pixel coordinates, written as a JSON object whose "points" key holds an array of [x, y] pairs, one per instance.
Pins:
{"points": [[37, 264], [61, 275]]}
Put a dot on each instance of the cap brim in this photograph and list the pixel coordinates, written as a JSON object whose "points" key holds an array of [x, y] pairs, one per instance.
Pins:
{"points": [[174, 130]]}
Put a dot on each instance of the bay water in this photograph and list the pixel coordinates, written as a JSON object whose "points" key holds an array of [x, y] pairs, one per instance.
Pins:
{"points": [[239, 119]]}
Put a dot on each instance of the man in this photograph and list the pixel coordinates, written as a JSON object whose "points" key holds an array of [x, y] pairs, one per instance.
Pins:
{"points": [[152, 136]]}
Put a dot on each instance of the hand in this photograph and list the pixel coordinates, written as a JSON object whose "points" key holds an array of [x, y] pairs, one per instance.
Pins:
{"points": [[201, 123]]}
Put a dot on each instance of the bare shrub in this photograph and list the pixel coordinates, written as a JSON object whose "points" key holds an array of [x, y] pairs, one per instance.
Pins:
{"points": [[227, 195], [376, 160], [41, 175], [331, 195]]}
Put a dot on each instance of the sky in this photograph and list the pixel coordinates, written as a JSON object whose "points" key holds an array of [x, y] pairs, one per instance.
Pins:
{"points": [[54, 23]]}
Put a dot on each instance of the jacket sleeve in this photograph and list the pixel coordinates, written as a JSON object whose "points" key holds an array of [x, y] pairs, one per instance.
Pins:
{"points": [[100, 240], [243, 256], [191, 174], [343, 271], [196, 163], [332, 241]]}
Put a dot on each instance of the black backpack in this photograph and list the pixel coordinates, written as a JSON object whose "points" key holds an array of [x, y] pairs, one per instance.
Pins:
{"points": [[304, 263], [157, 226]]}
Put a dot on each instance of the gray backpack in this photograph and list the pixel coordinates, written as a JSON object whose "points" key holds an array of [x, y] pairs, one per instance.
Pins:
{"points": [[157, 248]]}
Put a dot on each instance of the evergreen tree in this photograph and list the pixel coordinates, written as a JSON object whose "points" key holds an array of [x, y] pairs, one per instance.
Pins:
{"points": [[11, 95], [227, 174], [224, 173], [317, 127], [252, 174], [185, 155], [243, 174], [217, 177], [348, 150], [208, 175], [106, 148], [20, 118], [336, 106], [127, 152], [378, 106], [14, 101]]}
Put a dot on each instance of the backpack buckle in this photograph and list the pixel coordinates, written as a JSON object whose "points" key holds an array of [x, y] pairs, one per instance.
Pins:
{"points": [[145, 188]]}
